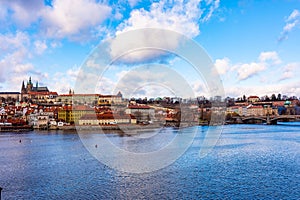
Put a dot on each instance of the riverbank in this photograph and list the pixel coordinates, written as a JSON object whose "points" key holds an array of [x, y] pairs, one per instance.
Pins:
{"points": [[16, 128]]}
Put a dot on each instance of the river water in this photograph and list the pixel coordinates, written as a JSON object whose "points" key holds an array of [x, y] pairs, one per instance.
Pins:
{"points": [[248, 162]]}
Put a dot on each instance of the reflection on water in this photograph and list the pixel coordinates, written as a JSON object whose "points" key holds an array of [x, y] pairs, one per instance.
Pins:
{"points": [[249, 161]]}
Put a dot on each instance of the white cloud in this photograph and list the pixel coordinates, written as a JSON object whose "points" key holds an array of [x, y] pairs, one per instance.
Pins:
{"points": [[69, 18], [248, 70], [13, 42], [289, 71], [290, 26], [270, 56], [245, 71], [40, 46], [294, 15], [292, 22], [15, 62], [13, 52], [222, 65], [180, 16], [23, 13], [23, 68], [214, 5]]}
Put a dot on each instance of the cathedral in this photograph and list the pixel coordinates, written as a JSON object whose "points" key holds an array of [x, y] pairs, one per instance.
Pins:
{"points": [[30, 88]]}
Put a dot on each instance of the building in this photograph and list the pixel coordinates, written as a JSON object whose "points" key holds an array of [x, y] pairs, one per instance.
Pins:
{"points": [[36, 93], [253, 99], [72, 114], [42, 121], [42, 97], [77, 99], [143, 113], [255, 110], [9, 96], [30, 88], [106, 119], [110, 99]]}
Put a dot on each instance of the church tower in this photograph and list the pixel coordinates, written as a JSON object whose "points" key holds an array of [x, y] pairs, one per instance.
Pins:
{"points": [[29, 85], [23, 89]]}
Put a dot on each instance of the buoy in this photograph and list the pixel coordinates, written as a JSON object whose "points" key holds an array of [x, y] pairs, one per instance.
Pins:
{"points": [[96, 146], [20, 141]]}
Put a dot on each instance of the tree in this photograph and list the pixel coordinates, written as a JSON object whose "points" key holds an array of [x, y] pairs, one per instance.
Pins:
{"points": [[244, 98], [279, 97], [273, 97]]}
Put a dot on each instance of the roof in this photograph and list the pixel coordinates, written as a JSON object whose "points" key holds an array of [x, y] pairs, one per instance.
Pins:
{"points": [[40, 89], [138, 107], [278, 103], [253, 97]]}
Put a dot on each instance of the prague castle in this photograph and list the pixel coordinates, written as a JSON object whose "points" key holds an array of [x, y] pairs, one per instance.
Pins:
{"points": [[30, 88]]}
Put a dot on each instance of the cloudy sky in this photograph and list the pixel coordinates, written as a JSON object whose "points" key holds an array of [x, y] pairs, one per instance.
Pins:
{"points": [[255, 45]]}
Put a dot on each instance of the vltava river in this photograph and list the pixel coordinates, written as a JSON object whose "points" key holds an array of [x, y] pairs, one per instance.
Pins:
{"points": [[248, 162]]}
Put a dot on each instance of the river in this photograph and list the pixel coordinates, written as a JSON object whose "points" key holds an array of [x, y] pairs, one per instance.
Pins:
{"points": [[248, 162]]}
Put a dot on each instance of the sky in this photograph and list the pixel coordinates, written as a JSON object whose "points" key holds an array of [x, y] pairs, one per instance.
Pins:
{"points": [[255, 45]]}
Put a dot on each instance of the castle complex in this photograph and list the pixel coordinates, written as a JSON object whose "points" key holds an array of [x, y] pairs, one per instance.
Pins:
{"points": [[30, 88]]}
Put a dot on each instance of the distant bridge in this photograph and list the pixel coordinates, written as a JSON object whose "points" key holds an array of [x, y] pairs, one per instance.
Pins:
{"points": [[269, 119]]}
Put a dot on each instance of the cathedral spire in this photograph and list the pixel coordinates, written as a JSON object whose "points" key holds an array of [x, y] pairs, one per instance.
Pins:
{"points": [[23, 90]]}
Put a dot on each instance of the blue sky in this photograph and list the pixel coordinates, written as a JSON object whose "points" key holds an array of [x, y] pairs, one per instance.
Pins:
{"points": [[255, 45]]}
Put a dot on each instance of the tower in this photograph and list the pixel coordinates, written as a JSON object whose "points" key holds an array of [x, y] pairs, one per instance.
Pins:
{"points": [[23, 89], [29, 85]]}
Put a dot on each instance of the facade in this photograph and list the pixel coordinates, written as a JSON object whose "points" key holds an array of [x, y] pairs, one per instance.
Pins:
{"points": [[253, 99], [110, 99], [42, 121], [31, 88], [255, 110], [77, 99], [105, 119], [73, 113], [42, 97], [143, 113], [9, 96]]}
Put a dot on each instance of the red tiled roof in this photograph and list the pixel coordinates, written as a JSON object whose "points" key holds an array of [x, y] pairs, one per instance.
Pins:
{"points": [[138, 107], [278, 103], [253, 97]]}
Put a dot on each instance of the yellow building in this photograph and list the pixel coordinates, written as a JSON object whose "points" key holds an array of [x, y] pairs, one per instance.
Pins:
{"points": [[71, 114], [255, 111]]}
